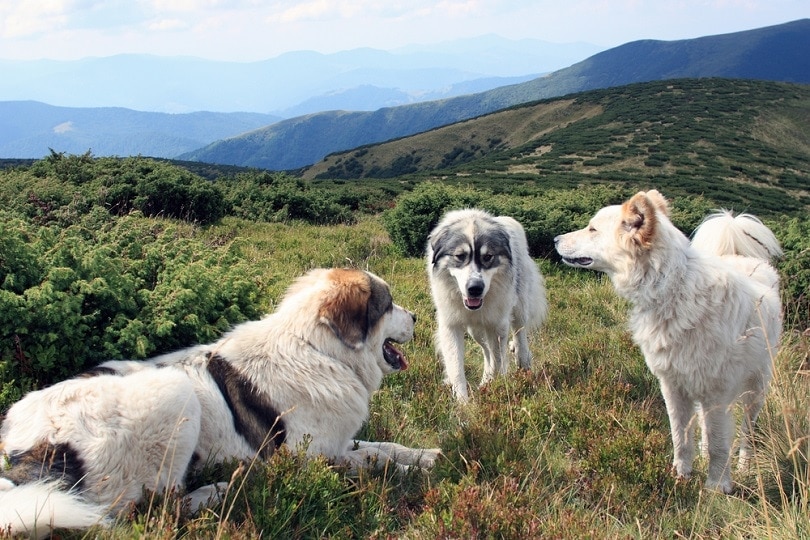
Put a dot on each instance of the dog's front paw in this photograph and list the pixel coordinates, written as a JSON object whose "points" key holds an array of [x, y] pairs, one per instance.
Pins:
{"points": [[682, 469], [427, 457], [723, 485]]}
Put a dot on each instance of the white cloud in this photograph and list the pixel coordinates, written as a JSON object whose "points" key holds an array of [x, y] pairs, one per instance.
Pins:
{"points": [[30, 17], [313, 10], [165, 25], [319, 10], [257, 29]]}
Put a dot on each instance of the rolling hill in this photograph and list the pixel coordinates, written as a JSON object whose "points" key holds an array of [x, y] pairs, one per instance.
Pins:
{"points": [[771, 53], [739, 142]]}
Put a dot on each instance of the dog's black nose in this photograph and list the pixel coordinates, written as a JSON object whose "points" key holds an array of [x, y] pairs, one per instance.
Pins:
{"points": [[475, 289]]}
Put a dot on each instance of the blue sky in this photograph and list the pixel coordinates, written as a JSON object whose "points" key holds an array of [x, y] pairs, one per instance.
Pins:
{"points": [[249, 30]]}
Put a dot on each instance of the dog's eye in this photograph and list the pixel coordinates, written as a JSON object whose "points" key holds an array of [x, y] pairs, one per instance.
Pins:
{"points": [[591, 229], [486, 258], [461, 257]]}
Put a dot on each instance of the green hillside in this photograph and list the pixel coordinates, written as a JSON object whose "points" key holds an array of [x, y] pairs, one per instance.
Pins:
{"points": [[741, 143], [775, 53]]}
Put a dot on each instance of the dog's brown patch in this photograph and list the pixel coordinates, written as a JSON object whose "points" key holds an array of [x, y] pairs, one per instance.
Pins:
{"points": [[353, 305], [46, 461], [254, 417], [639, 222]]}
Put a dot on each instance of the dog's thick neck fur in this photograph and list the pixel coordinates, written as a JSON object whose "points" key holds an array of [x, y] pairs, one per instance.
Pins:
{"points": [[658, 263], [303, 299], [652, 248]]}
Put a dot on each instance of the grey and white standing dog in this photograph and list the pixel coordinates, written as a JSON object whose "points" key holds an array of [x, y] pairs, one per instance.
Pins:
{"points": [[483, 281]]}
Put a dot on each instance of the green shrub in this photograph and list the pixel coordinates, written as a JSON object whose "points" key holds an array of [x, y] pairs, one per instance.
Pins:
{"points": [[795, 270], [71, 298], [416, 213], [277, 197], [59, 189]]}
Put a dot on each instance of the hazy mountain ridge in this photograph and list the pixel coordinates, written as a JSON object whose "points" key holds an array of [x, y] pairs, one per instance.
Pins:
{"points": [[186, 84], [30, 128], [770, 53]]}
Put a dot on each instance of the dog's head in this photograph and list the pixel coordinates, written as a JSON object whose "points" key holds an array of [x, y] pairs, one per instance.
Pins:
{"points": [[617, 235], [472, 247], [357, 308]]}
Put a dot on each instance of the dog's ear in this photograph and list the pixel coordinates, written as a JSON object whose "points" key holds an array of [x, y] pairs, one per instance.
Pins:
{"points": [[437, 239], [639, 221], [379, 303], [345, 307], [660, 202]]}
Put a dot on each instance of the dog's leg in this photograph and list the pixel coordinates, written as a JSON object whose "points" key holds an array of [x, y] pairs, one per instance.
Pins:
{"points": [[381, 453], [719, 426], [752, 401], [501, 348], [495, 346], [520, 344], [451, 345], [206, 496], [681, 412]]}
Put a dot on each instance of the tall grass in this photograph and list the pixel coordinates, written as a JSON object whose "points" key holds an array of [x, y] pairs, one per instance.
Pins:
{"points": [[578, 447]]}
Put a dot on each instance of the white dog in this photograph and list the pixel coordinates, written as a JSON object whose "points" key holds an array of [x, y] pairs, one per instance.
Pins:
{"points": [[706, 315], [483, 281], [78, 451]]}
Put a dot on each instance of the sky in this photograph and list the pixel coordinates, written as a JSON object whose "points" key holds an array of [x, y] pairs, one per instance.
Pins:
{"points": [[251, 30]]}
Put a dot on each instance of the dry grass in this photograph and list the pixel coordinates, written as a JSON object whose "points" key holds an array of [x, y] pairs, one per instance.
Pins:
{"points": [[579, 447]]}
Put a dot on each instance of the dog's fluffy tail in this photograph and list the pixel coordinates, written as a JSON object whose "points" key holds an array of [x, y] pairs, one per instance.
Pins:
{"points": [[35, 509], [723, 233]]}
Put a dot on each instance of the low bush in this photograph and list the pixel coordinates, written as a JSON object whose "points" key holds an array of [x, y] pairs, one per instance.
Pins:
{"points": [[543, 215], [417, 212], [98, 290]]}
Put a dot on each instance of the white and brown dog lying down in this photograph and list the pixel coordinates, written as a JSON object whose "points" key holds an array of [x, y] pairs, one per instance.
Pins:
{"points": [[79, 451]]}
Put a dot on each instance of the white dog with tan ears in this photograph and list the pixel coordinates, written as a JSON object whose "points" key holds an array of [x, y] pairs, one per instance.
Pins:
{"points": [[706, 315]]}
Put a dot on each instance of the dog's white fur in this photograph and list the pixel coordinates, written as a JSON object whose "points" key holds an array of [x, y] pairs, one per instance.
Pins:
{"points": [[483, 281], [706, 315], [311, 367]]}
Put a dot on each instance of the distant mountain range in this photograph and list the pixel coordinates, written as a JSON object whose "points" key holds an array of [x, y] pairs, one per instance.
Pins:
{"points": [[29, 129], [777, 53], [283, 85]]}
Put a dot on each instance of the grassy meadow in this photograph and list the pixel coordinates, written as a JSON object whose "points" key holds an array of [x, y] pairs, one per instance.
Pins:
{"points": [[129, 257], [579, 447]]}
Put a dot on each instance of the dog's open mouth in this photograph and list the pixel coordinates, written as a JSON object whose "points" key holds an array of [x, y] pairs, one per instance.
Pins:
{"points": [[578, 261], [473, 303], [394, 356]]}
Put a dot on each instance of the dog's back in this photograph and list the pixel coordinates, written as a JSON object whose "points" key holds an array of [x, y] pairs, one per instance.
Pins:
{"points": [[531, 307]]}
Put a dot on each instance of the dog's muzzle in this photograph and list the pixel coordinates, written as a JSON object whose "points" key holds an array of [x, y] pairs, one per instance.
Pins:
{"points": [[474, 298]]}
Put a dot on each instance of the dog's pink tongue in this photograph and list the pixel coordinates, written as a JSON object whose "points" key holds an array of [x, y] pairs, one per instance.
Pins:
{"points": [[394, 356], [473, 302]]}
